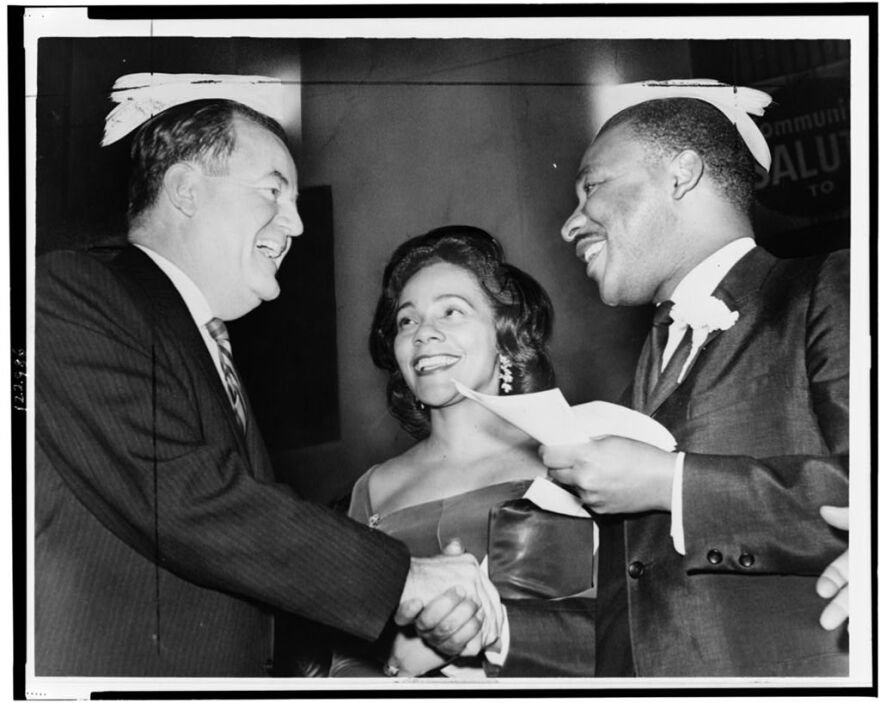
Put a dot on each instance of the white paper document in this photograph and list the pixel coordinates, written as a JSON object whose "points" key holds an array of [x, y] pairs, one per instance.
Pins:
{"points": [[555, 499], [549, 418]]}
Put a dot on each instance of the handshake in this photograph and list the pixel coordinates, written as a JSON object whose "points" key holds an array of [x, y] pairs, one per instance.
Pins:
{"points": [[448, 608]]}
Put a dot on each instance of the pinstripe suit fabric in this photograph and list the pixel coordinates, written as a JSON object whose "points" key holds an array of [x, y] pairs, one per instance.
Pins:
{"points": [[161, 541]]}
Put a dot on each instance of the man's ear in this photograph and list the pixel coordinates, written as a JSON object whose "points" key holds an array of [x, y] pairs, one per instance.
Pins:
{"points": [[687, 169], [179, 184]]}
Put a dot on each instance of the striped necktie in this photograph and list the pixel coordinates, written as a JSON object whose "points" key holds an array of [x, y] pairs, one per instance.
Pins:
{"points": [[217, 330]]}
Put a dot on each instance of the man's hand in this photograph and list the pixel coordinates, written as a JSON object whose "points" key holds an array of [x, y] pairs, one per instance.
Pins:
{"points": [[451, 603], [834, 581], [614, 474], [410, 656]]}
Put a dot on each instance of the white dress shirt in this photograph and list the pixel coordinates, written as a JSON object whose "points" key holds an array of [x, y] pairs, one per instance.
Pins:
{"points": [[193, 298], [700, 282]]}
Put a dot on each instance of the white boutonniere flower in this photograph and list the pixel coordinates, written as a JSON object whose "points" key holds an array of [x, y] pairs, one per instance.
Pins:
{"points": [[703, 316]]}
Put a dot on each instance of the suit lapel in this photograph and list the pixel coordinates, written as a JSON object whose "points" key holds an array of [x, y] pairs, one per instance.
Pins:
{"points": [[256, 447], [736, 290], [668, 380], [640, 383], [744, 281], [169, 312]]}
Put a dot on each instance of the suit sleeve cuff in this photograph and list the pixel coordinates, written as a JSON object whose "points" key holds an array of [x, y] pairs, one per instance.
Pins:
{"points": [[496, 653], [676, 529]]}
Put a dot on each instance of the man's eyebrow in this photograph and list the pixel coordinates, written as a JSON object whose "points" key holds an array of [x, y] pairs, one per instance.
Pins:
{"points": [[584, 172], [280, 176]]}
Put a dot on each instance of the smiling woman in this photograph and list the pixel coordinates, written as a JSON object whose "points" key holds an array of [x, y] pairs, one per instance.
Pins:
{"points": [[473, 283], [445, 330], [452, 309]]}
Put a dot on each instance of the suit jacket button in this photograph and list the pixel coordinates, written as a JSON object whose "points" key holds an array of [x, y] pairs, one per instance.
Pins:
{"points": [[746, 559], [636, 569], [714, 556]]}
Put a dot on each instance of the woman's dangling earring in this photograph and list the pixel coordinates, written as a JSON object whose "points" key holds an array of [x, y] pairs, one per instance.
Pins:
{"points": [[420, 405], [505, 368]]}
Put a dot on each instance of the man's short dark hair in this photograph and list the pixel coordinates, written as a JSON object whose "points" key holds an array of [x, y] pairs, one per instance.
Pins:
{"points": [[200, 131], [668, 126]]}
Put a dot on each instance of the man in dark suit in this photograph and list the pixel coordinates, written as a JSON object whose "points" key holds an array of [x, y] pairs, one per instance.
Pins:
{"points": [[162, 542], [709, 557]]}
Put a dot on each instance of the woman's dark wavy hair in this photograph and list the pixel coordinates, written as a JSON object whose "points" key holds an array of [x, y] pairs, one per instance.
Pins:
{"points": [[523, 313]]}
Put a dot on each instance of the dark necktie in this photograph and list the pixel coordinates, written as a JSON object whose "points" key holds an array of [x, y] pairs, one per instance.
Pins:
{"points": [[217, 329], [659, 336]]}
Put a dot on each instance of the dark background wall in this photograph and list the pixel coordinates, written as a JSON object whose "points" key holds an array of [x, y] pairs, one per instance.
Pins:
{"points": [[400, 136]]}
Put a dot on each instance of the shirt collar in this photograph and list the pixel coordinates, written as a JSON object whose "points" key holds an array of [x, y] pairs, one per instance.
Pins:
{"points": [[704, 278], [194, 298]]}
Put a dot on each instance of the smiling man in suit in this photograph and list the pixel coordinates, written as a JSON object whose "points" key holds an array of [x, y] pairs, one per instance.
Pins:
{"points": [[162, 542], [709, 556]]}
